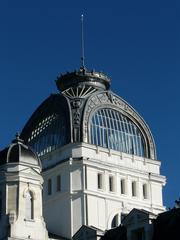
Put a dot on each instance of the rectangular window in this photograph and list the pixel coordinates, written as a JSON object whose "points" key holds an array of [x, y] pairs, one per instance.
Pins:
{"points": [[123, 186], [145, 191], [49, 186], [58, 183], [134, 189], [111, 183], [100, 180]]}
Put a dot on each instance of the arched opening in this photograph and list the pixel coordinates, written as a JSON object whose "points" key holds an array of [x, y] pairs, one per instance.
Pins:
{"points": [[115, 221], [29, 205], [111, 129]]}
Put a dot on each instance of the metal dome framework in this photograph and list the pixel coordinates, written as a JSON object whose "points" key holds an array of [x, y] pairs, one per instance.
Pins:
{"points": [[86, 111], [49, 126], [103, 100], [113, 130]]}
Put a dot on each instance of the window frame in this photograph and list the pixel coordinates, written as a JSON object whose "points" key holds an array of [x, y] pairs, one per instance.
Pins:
{"points": [[134, 188], [112, 129], [111, 183], [145, 192], [100, 182], [123, 186]]}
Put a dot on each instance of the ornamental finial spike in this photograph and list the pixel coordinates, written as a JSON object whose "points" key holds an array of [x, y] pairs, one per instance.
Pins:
{"points": [[17, 138], [82, 42]]}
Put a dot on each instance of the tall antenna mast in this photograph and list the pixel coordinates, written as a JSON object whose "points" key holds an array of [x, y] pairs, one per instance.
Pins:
{"points": [[82, 42]]}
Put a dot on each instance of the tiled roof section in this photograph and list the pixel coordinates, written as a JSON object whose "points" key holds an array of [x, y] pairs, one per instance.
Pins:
{"points": [[119, 233], [167, 225], [56, 237]]}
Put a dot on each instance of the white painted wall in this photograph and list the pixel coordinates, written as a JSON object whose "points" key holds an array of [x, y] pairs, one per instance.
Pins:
{"points": [[18, 179], [65, 212]]}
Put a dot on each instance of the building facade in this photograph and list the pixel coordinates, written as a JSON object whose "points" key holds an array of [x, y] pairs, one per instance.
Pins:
{"points": [[98, 156], [21, 182]]}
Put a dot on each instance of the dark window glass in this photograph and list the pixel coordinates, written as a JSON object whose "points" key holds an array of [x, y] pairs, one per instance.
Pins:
{"points": [[115, 221], [100, 183], [49, 186], [134, 189], [122, 186], [58, 179], [123, 215], [111, 184], [49, 134]]}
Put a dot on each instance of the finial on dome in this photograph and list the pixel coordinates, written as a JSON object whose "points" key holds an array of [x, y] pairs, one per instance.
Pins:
{"points": [[83, 78], [17, 138]]}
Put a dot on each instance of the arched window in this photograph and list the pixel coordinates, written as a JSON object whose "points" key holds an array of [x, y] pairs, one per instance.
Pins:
{"points": [[111, 129], [115, 221], [29, 205]]}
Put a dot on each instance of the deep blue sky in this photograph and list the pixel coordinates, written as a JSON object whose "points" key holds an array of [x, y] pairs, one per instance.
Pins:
{"points": [[136, 43]]}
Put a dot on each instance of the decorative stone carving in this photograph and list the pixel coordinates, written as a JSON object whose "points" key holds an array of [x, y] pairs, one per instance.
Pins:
{"points": [[76, 110], [76, 104], [76, 118]]}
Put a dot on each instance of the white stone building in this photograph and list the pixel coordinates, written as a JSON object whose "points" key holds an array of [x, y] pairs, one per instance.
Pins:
{"points": [[98, 156], [21, 194]]}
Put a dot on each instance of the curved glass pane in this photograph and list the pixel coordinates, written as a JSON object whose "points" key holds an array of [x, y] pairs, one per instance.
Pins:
{"points": [[111, 129], [48, 134]]}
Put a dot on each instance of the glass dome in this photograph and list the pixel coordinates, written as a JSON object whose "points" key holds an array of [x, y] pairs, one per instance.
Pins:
{"points": [[111, 129], [71, 116], [48, 134], [49, 126]]}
